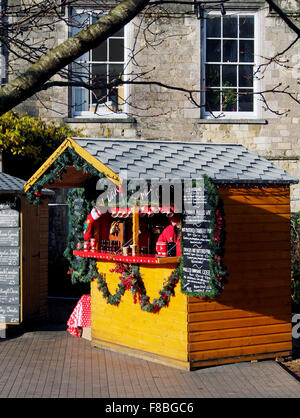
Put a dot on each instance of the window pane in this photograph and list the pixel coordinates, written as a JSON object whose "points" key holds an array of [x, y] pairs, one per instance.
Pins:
{"points": [[96, 16], [100, 52], [81, 99], [114, 98], [230, 27], [78, 22], [212, 100], [115, 71], [116, 50], [99, 72], [246, 51], [119, 33], [246, 27], [229, 100], [212, 75], [213, 50], [99, 96], [99, 76], [246, 100], [229, 75], [80, 72], [229, 51], [246, 75], [213, 27]]}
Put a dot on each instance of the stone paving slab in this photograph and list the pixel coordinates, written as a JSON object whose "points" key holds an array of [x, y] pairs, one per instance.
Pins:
{"points": [[50, 363]]}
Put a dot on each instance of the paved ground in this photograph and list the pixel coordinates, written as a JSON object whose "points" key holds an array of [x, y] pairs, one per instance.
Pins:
{"points": [[50, 363]]}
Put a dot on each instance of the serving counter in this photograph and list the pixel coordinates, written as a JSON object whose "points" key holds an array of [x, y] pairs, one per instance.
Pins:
{"points": [[126, 327]]}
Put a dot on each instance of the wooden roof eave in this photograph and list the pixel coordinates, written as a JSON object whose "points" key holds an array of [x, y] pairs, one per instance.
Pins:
{"points": [[70, 143]]}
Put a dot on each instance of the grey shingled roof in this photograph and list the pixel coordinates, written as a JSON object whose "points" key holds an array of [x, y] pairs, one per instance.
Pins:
{"points": [[143, 159], [10, 184]]}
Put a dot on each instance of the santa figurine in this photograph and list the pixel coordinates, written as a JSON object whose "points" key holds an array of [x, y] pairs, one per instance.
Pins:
{"points": [[88, 224]]}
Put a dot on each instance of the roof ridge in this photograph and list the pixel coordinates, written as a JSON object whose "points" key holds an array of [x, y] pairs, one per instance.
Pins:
{"points": [[158, 141], [222, 162]]}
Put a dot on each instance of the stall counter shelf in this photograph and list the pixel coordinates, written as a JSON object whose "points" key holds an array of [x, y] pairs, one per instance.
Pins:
{"points": [[144, 259]]}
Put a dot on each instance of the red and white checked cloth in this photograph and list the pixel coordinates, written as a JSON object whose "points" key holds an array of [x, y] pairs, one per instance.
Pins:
{"points": [[80, 317]]}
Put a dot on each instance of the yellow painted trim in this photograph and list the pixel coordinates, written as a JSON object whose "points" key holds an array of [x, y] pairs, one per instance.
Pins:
{"points": [[135, 228], [71, 143], [168, 260], [47, 164], [95, 162]]}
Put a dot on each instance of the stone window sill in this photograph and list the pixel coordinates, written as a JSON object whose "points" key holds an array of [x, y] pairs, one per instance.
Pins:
{"points": [[234, 121], [99, 120]]}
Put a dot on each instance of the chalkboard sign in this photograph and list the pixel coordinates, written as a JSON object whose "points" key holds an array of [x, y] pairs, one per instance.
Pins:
{"points": [[9, 216], [196, 242], [9, 256], [10, 314], [9, 275], [9, 294], [9, 237], [10, 299]]}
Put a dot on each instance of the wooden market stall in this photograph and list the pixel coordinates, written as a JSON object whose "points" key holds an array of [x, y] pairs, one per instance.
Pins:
{"points": [[23, 254], [220, 301]]}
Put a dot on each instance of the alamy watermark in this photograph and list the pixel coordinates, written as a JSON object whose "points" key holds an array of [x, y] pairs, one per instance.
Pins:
{"points": [[182, 196], [296, 327]]}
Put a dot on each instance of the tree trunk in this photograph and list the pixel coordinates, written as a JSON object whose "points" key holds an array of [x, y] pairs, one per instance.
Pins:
{"points": [[32, 80]]}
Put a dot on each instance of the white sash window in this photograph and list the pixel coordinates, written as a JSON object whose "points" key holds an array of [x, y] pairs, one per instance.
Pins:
{"points": [[100, 65], [229, 65]]}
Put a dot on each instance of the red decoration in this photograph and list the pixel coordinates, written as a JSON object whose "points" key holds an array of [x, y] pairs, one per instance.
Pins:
{"points": [[80, 317], [88, 224]]}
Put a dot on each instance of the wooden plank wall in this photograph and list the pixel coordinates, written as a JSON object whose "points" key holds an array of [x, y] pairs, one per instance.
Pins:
{"points": [[160, 337], [34, 261], [252, 317]]}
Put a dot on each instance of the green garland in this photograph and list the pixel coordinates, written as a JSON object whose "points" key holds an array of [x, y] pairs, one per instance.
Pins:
{"points": [[131, 279], [80, 269]]}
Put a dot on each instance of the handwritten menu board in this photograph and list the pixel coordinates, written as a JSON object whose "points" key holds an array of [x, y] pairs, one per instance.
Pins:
{"points": [[9, 261], [196, 242]]}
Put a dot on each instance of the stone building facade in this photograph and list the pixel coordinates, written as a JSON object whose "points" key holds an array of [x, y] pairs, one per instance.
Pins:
{"points": [[174, 53]]}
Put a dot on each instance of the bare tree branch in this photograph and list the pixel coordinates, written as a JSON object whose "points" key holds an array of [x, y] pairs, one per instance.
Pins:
{"points": [[283, 16], [35, 76]]}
